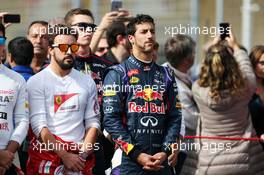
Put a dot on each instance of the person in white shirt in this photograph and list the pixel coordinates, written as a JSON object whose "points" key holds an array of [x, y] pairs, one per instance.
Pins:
{"points": [[180, 54], [63, 111], [13, 114]]}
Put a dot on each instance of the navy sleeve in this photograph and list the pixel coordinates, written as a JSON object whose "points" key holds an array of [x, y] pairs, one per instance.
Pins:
{"points": [[173, 114], [113, 109]]}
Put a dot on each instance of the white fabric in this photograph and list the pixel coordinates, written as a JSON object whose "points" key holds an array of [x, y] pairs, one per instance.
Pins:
{"points": [[189, 108], [13, 111], [65, 105]]}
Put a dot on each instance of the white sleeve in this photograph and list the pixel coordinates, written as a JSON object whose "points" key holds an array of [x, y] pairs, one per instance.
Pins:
{"points": [[20, 115], [92, 112], [37, 110]]}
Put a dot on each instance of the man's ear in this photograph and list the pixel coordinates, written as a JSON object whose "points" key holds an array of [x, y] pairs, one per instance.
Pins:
{"points": [[131, 39], [119, 38], [10, 60], [51, 50]]}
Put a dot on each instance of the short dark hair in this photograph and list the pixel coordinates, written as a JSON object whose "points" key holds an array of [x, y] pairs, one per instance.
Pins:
{"points": [[77, 11], [21, 50], [117, 28], [139, 19], [61, 29], [178, 48], [44, 23], [2, 29]]}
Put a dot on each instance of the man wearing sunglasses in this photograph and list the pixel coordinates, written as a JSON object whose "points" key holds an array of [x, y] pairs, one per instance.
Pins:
{"points": [[82, 20], [64, 112]]}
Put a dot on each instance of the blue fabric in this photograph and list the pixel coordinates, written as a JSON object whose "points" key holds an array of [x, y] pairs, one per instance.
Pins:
{"points": [[25, 71]]}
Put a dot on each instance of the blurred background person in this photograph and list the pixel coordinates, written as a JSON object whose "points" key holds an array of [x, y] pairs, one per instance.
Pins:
{"points": [[119, 47], [38, 36], [102, 47], [20, 55], [256, 105], [180, 54], [222, 92]]}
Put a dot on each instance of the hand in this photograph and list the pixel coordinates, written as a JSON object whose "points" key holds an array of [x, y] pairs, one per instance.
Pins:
{"points": [[72, 162], [1, 17], [6, 158], [262, 137], [148, 162], [232, 40], [109, 17], [172, 159], [160, 158]]}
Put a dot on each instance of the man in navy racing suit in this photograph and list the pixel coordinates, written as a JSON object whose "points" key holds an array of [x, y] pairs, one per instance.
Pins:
{"points": [[141, 107]]}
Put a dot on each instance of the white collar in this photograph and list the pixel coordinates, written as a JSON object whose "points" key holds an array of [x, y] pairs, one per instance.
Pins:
{"points": [[185, 77]]}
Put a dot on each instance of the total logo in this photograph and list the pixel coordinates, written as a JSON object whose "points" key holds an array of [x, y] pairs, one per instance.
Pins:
{"points": [[148, 95], [146, 108]]}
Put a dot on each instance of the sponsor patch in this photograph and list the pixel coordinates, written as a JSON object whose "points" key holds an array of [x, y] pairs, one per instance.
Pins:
{"points": [[109, 93], [132, 72], [148, 95], [3, 115], [66, 102], [146, 108], [4, 126], [134, 80]]}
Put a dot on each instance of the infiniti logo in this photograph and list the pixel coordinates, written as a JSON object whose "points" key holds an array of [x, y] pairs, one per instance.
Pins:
{"points": [[108, 109], [149, 120]]}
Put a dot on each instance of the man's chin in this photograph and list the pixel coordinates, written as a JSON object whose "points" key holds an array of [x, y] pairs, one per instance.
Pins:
{"points": [[148, 51], [66, 66]]}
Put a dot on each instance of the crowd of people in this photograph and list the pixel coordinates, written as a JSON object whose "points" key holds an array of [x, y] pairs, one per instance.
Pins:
{"points": [[77, 98]]}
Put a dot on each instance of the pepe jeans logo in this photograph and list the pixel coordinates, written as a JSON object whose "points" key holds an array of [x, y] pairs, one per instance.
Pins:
{"points": [[149, 120]]}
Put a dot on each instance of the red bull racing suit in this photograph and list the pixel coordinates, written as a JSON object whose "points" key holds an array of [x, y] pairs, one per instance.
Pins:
{"points": [[142, 111]]}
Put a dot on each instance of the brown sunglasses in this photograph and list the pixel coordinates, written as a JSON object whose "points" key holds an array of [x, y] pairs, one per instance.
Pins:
{"points": [[65, 47]]}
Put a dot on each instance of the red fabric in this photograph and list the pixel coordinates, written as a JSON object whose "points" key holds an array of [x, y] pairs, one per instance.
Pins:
{"points": [[48, 162]]}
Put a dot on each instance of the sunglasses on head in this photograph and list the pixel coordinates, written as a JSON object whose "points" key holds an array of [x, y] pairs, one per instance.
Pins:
{"points": [[2, 40], [88, 27], [65, 47]]}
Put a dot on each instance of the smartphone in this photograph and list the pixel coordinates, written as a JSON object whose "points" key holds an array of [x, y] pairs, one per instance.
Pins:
{"points": [[225, 29], [12, 18], [116, 5]]}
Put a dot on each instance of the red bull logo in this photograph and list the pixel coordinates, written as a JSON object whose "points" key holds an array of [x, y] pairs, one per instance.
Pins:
{"points": [[148, 95], [132, 72], [127, 147], [146, 108]]}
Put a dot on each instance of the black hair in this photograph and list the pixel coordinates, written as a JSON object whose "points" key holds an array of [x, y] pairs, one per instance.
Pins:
{"points": [[117, 28], [21, 50], [139, 19], [61, 29]]}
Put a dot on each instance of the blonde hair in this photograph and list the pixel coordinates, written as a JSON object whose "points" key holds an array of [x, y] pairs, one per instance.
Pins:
{"points": [[220, 71]]}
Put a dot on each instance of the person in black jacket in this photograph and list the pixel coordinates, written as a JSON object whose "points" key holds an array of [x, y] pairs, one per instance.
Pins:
{"points": [[142, 111]]}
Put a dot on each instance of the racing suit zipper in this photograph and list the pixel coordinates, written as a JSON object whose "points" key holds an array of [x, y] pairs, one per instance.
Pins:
{"points": [[149, 126]]}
